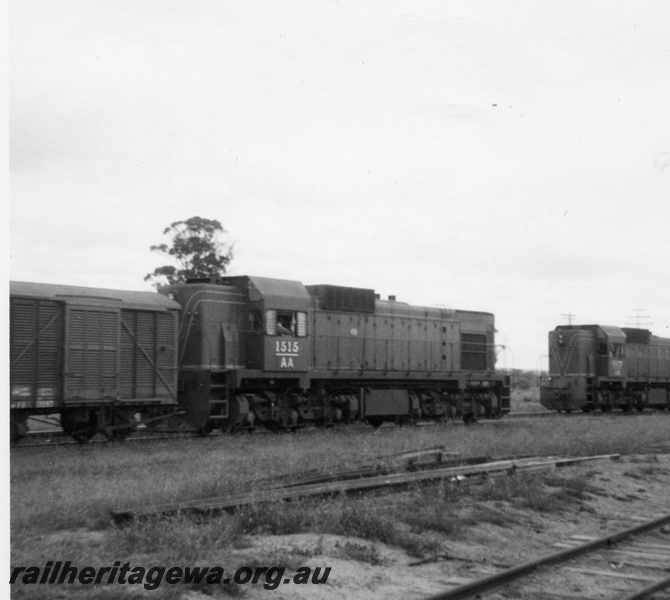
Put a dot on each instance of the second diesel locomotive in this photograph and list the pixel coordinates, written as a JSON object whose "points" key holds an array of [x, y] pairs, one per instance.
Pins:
{"points": [[245, 351], [602, 367]]}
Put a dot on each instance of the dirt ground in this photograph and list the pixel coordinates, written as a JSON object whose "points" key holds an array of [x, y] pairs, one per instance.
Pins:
{"points": [[628, 491]]}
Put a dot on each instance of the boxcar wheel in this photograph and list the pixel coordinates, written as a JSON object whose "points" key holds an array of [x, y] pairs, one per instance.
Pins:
{"points": [[118, 424], [80, 423], [206, 429], [18, 427]]}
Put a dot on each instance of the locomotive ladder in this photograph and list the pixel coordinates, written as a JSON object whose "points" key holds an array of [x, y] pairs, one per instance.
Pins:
{"points": [[218, 397]]}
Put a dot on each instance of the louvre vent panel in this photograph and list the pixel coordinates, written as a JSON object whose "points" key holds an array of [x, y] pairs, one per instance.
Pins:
{"points": [[93, 354], [110, 325], [145, 370], [127, 379], [23, 332], [145, 329], [94, 327], [147, 354], [62, 352], [77, 327], [36, 330], [166, 354]]}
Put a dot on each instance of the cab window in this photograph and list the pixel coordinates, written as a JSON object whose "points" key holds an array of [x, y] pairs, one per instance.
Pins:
{"points": [[616, 350], [286, 323]]}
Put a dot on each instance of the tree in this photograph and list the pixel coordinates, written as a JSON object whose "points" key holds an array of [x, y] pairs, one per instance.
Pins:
{"points": [[196, 248]]}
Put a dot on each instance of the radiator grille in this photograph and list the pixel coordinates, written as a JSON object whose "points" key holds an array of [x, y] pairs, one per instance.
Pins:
{"points": [[473, 352]]}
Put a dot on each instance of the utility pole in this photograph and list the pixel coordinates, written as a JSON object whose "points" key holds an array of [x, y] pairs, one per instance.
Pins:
{"points": [[639, 319], [569, 317]]}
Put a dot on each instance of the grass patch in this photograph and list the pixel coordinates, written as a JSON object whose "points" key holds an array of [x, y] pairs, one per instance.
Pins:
{"points": [[541, 492], [356, 517], [69, 487], [61, 497], [362, 553]]}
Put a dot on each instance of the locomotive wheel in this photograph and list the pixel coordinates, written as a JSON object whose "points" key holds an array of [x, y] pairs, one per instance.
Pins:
{"points": [[80, 423]]}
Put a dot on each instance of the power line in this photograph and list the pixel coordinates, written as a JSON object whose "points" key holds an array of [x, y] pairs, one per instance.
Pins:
{"points": [[569, 317], [639, 319]]}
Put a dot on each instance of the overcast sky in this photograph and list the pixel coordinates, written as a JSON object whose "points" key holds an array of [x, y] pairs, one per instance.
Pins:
{"points": [[511, 157]]}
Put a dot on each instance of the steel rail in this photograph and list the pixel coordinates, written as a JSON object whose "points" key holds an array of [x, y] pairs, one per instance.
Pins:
{"points": [[493, 582], [648, 591], [216, 505], [63, 439]]}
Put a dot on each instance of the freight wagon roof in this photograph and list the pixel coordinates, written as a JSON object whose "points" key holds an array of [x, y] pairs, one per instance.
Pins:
{"points": [[87, 295]]}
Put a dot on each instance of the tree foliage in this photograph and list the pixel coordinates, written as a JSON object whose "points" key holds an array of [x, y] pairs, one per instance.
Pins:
{"points": [[197, 250]]}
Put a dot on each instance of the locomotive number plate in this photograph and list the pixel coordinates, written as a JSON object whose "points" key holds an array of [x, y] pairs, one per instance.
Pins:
{"points": [[286, 351]]}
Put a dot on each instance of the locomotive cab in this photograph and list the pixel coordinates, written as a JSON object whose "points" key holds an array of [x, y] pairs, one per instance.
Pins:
{"points": [[610, 352], [586, 368], [277, 335], [238, 333]]}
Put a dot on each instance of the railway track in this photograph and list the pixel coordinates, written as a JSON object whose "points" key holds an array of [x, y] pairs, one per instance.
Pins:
{"points": [[357, 482], [55, 437], [627, 565], [552, 414]]}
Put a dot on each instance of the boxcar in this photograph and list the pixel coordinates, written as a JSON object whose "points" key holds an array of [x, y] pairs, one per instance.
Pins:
{"points": [[97, 357]]}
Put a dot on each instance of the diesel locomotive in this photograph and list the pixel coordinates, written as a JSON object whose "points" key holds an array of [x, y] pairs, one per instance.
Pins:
{"points": [[241, 352], [602, 367]]}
